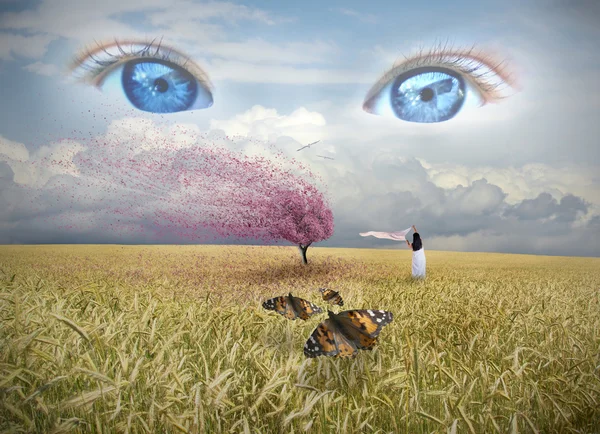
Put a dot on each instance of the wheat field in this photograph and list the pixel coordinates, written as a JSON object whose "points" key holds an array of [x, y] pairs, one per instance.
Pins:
{"points": [[168, 339]]}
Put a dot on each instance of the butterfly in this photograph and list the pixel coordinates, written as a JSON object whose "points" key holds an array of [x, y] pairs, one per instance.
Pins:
{"points": [[331, 296], [292, 307], [343, 334]]}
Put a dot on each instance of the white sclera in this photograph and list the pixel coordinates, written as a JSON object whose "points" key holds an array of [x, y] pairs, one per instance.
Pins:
{"points": [[114, 84], [382, 105]]}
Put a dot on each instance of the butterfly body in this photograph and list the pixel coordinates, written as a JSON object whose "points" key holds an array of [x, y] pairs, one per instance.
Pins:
{"points": [[292, 307], [331, 296], [343, 334]]}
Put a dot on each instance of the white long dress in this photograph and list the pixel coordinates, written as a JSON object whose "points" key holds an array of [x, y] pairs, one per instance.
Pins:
{"points": [[418, 263]]}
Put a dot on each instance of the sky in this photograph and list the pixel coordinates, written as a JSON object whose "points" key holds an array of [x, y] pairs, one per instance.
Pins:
{"points": [[516, 175]]}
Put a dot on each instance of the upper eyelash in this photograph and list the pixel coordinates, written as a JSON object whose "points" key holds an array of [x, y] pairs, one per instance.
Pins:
{"points": [[97, 72], [465, 60]]}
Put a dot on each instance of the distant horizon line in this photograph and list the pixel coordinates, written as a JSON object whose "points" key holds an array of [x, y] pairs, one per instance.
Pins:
{"points": [[285, 246]]}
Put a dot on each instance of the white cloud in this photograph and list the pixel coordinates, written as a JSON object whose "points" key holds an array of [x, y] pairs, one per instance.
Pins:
{"points": [[78, 20], [375, 190], [40, 68], [193, 37], [483, 241], [246, 72], [89, 20], [37, 168], [478, 198], [367, 18], [520, 183], [186, 25], [13, 151], [180, 11], [263, 123], [144, 135], [32, 47], [362, 173], [259, 51]]}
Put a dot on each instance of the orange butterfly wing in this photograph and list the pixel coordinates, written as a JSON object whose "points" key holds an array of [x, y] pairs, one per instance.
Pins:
{"points": [[321, 342], [305, 309], [327, 340], [362, 327], [331, 296], [365, 342], [345, 346], [278, 304], [364, 321], [292, 307]]}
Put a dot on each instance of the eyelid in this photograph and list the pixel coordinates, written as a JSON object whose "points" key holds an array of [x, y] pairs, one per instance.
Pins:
{"points": [[475, 65], [127, 50]]}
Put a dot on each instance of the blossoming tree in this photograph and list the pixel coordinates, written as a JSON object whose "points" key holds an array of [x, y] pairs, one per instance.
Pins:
{"points": [[300, 217], [200, 192], [268, 203]]}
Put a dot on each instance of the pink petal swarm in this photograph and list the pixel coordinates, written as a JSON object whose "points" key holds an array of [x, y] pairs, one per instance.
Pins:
{"points": [[195, 192]]}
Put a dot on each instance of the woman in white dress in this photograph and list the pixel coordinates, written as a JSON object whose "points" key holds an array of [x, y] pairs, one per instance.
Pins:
{"points": [[418, 259]]}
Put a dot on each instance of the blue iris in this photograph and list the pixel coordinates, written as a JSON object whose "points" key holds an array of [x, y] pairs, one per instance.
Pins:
{"points": [[161, 87], [427, 95]]}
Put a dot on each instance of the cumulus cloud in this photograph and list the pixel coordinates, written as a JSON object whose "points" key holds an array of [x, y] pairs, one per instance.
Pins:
{"points": [[32, 47], [473, 217], [455, 207], [88, 20], [197, 28], [545, 206], [67, 17], [569, 207], [142, 134], [36, 169], [267, 124], [480, 198], [380, 189], [41, 68], [519, 240], [525, 182]]}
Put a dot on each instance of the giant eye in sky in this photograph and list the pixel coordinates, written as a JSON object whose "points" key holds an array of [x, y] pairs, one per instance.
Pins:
{"points": [[437, 85], [154, 78]]}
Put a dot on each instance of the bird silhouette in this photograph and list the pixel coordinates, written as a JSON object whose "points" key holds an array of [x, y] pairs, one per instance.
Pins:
{"points": [[308, 146]]}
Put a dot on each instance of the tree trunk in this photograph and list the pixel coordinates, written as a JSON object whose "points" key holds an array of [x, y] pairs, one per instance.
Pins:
{"points": [[303, 250]]}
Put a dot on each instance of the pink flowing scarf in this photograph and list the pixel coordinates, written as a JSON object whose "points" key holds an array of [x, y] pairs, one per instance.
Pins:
{"points": [[396, 236]]}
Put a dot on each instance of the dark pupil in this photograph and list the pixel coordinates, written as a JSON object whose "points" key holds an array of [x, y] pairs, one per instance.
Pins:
{"points": [[426, 94], [161, 85]]}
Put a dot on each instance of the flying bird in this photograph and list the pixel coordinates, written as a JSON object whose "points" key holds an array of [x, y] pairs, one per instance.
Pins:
{"points": [[323, 156], [308, 146]]}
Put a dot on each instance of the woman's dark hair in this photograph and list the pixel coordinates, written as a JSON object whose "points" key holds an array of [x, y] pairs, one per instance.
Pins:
{"points": [[417, 244]]}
